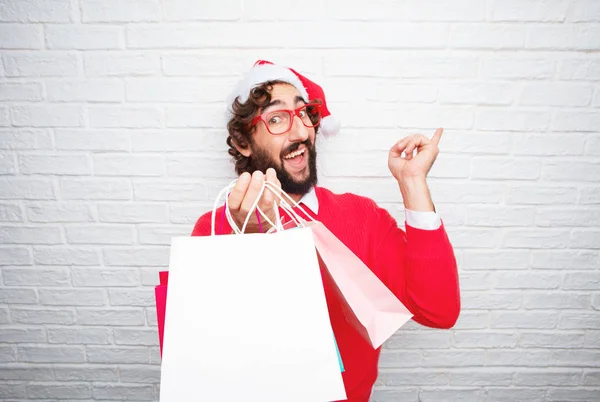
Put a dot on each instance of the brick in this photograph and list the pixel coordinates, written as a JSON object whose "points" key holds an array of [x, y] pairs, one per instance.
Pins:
{"points": [[39, 391], [65, 165], [169, 191], [490, 259], [138, 257], [565, 259], [208, 116], [34, 11], [28, 189], [564, 37], [100, 234], [490, 301], [47, 116], [546, 378], [504, 67], [181, 10], [576, 320], [122, 391], [17, 296], [413, 377], [524, 320], [569, 171], [21, 335], [118, 355], [25, 372], [65, 256], [84, 37], [38, 276], [21, 91], [140, 374], [548, 144], [476, 94], [162, 236], [464, 10], [11, 213], [589, 195], [187, 214], [127, 117], [13, 390], [405, 358], [511, 120], [487, 340], [4, 318], [591, 378], [496, 377], [523, 358], [105, 277], [131, 297], [116, 11], [509, 394], [8, 165], [128, 165], [136, 337], [51, 354], [499, 216], [113, 317], [450, 167], [528, 280], [575, 394], [596, 303], [418, 340], [4, 117], [151, 318], [567, 217], [575, 121], [178, 90], [535, 11], [89, 90], [91, 140], [536, 238], [578, 69], [577, 358], [90, 336], [466, 394], [386, 90], [556, 94], [584, 11], [42, 316], [451, 358], [17, 138], [170, 140], [15, 256], [592, 146], [40, 64], [121, 63], [528, 194], [477, 281], [585, 239], [96, 189], [150, 276], [551, 340], [464, 238], [64, 212], [487, 36], [556, 301], [71, 297], [86, 373], [132, 213]]}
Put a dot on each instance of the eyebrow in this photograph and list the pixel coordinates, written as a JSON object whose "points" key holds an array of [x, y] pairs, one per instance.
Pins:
{"points": [[276, 102]]}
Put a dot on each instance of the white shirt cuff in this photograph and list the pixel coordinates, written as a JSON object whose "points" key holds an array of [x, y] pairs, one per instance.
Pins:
{"points": [[422, 220]]}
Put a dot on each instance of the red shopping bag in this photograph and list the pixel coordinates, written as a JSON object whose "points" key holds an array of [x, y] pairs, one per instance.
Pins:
{"points": [[160, 295]]}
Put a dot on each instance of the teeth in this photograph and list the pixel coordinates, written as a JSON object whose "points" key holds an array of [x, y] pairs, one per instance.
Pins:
{"points": [[293, 154]]}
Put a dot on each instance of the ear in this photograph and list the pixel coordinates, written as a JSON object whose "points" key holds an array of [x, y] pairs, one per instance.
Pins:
{"points": [[246, 151]]}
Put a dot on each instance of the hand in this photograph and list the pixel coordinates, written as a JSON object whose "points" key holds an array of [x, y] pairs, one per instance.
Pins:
{"points": [[244, 194], [412, 167]]}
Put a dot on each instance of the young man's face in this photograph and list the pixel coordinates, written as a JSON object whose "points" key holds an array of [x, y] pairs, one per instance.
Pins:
{"points": [[291, 154]]}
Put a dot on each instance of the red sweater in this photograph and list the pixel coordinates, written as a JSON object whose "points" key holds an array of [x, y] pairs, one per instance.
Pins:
{"points": [[418, 266]]}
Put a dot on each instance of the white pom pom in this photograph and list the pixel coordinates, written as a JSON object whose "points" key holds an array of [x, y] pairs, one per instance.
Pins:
{"points": [[330, 126]]}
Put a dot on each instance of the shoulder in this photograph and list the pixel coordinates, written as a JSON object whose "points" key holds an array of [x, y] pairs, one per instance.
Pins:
{"points": [[204, 223]]}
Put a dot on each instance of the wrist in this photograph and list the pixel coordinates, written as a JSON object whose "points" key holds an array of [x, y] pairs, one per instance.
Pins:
{"points": [[415, 194]]}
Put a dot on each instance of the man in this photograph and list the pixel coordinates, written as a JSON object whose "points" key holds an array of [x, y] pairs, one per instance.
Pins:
{"points": [[274, 116]]}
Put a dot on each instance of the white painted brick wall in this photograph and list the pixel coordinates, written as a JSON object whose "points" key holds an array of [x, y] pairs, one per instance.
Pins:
{"points": [[112, 141]]}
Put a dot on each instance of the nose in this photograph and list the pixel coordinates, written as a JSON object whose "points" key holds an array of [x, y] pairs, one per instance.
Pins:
{"points": [[298, 132]]}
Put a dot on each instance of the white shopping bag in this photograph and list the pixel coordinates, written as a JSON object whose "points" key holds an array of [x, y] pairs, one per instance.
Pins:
{"points": [[247, 320]]}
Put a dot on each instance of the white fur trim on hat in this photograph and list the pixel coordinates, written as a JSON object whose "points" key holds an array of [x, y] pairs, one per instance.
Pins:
{"points": [[263, 73], [329, 126]]}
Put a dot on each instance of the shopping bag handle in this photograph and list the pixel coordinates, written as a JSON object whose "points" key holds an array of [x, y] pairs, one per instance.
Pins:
{"points": [[279, 193]]}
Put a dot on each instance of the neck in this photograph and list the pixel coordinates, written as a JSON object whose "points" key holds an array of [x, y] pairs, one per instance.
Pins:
{"points": [[296, 197]]}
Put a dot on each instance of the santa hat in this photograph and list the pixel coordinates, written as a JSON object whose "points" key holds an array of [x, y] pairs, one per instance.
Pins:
{"points": [[264, 71]]}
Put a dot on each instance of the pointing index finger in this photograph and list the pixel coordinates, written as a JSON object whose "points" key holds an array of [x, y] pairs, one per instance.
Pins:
{"points": [[437, 135]]}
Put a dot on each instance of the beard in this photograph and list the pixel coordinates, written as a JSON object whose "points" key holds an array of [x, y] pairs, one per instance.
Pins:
{"points": [[261, 160]]}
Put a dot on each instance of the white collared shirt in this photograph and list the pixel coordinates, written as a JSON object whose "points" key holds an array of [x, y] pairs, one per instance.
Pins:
{"points": [[416, 219]]}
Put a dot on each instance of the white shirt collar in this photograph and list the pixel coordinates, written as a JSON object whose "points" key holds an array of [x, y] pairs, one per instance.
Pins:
{"points": [[310, 200]]}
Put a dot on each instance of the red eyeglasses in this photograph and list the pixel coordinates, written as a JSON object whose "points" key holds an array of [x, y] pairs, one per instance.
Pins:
{"points": [[280, 121]]}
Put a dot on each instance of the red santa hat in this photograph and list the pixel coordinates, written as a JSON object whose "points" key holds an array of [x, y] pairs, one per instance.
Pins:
{"points": [[264, 71]]}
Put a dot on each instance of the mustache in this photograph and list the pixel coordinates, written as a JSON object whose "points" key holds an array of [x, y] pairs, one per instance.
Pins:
{"points": [[295, 146]]}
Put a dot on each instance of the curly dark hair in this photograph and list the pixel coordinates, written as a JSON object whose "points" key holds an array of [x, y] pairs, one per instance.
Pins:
{"points": [[240, 128]]}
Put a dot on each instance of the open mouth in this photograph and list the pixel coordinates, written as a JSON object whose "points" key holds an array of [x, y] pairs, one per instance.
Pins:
{"points": [[296, 158]]}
